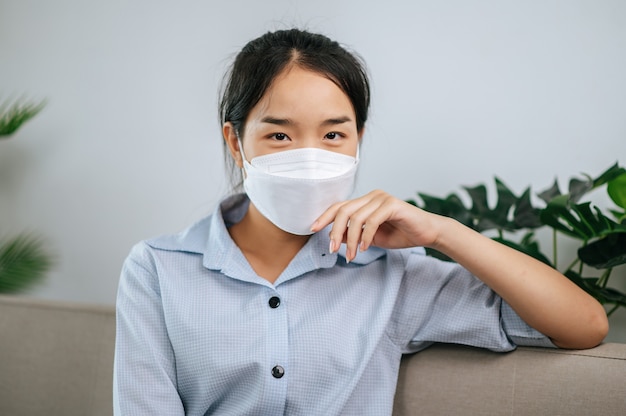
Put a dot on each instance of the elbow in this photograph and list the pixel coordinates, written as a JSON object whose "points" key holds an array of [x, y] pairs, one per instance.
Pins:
{"points": [[589, 333], [600, 327]]}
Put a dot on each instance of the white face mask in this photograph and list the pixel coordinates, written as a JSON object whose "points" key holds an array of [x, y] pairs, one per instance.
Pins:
{"points": [[293, 188]]}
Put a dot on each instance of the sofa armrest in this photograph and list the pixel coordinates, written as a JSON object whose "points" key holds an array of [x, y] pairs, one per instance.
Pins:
{"points": [[454, 379]]}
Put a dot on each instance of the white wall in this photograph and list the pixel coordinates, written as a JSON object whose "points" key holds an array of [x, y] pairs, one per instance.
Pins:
{"points": [[129, 147]]}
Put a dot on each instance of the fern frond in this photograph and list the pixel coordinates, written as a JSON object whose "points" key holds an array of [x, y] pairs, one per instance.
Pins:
{"points": [[12, 116], [23, 262]]}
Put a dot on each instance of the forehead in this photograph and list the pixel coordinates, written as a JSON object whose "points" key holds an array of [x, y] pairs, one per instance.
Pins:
{"points": [[299, 90]]}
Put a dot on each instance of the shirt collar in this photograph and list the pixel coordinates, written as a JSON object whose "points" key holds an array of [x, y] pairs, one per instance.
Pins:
{"points": [[210, 238]]}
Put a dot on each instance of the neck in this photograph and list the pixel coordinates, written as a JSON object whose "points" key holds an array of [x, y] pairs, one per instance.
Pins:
{"points": [[267, 248]]}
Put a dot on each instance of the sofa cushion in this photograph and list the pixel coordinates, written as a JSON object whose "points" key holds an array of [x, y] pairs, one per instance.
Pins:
{"points": [[56, 358]]}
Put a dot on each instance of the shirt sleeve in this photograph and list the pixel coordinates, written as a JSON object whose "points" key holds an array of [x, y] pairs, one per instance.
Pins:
{"points": [[519, 332], [144, 375], [443, 302]]}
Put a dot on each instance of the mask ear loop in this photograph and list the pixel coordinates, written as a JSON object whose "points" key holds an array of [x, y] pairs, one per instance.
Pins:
{"points": [[243, 156], [240, 145]]}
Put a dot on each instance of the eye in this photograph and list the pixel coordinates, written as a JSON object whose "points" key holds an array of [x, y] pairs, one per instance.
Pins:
{"points": [[281, 137], [333, 135]]}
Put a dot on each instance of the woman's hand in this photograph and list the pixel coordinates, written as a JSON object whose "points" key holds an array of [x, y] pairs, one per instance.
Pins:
{"points": [[377, 219]]}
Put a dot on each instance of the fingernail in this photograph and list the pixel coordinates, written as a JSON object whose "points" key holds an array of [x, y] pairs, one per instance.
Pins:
{"points": [[314, 226], [331, 246], [362, 246]]}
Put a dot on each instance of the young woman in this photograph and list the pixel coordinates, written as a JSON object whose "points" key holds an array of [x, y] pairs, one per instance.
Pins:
{"points": [[293, 299]]}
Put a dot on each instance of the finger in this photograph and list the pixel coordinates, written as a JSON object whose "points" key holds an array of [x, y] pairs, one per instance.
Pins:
{"points": [[374, 221], [358, 223], [342, 214], [327, 217], [365, 217], [340, 228]]}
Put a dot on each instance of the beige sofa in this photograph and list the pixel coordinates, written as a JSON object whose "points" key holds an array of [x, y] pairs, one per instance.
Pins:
{"points": [[56, 359]]}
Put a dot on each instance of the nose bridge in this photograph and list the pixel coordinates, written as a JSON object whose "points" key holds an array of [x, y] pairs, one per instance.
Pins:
{"points": [[309, 138]]}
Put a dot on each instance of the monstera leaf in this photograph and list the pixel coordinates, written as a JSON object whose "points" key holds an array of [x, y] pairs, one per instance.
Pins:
{"points": [[616, 188], [451, 206], [579, 187], [603, 239], [511, 213], [605, 253], [597, 289], [581, 221], [527, 245]]}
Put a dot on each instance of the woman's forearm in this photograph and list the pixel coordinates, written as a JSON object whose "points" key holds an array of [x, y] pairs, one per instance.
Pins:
{"points": [[541, 296]]}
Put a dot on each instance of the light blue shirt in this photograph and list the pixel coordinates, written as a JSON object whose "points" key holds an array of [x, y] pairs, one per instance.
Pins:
{"points": [[199, 333]]}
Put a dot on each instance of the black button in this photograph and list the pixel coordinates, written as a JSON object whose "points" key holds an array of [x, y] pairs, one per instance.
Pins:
{"points": [[278, 371], [274, 302]]}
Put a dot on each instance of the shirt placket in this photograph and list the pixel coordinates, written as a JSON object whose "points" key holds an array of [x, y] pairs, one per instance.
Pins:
{"points": [[277, 353]]}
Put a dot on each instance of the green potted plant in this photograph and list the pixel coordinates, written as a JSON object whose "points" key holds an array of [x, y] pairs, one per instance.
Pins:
{"points": [[23, 258], [514, 220]]}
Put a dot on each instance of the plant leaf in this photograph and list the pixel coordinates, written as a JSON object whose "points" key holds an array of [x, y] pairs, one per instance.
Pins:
{"points": [[608, 175], [451, 206], [550, 193], [528, 246], [499, 217], [557, 215], [506, 200], [607, 252], [438, 254], [23, 261], [604, 295], [620, 216], [510, 212], [578, 188], [478, 194], [611, 295], [578, 221], [16, 115], [563, 213], [525, 215], [616, 189], [587, 284]]}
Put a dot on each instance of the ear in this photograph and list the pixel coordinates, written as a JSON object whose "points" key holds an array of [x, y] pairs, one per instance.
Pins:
{"points": [[230, 136]]}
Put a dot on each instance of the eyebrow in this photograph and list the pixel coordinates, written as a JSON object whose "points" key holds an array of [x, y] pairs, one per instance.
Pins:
{"points": [[335, 121], [286, 122], [277, 121]]}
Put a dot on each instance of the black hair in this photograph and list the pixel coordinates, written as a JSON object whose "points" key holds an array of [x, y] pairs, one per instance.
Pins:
{"points": [[264, 58]]}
